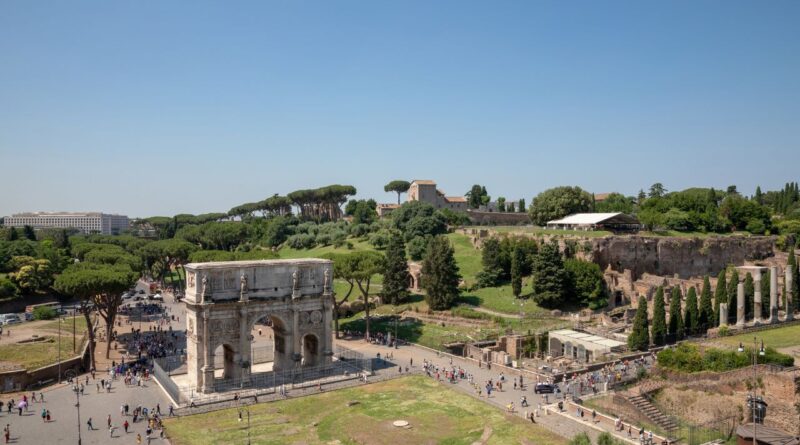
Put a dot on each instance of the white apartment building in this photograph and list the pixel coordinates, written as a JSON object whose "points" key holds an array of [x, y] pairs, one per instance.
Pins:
{"points": [[92, 222]]}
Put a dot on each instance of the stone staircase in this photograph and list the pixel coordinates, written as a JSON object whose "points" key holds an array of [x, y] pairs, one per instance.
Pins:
{"points": [[639, 397], [651, 412]]}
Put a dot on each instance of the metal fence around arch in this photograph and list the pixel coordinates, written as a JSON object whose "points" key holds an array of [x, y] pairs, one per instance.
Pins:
{"points": [[346, 364]]}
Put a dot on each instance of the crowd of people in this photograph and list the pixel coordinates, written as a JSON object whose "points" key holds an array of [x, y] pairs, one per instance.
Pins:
{"points": [[153, 343]]}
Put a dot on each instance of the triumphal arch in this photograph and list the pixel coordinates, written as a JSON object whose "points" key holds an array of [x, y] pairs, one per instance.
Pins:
{"points": [[225, 299]]}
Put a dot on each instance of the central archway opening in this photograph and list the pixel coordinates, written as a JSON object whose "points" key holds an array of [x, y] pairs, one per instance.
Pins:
{"points": [[269, 348]]}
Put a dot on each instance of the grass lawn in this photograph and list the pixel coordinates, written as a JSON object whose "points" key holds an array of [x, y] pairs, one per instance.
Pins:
{"points": [[540, 231], [467, 257], [780, 337], [316, 252], [66, 325], [436, 415], [432, 335], [501, 299], [37, 354]]}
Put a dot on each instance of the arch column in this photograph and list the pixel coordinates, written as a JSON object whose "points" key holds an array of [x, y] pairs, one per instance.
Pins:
{"points": [[208, 357], [245, 360], [327, 320]]}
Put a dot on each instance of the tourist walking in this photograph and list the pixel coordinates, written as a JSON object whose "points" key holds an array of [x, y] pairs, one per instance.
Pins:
{"points": [[89, 425]]}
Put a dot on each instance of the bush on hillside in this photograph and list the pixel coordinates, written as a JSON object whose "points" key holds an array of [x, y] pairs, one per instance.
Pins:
{"points": [[687, 357], [44, 313]]}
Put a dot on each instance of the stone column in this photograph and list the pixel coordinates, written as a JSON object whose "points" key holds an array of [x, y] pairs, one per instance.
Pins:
{"points": [[244, 345], [327, 320], [740, 304], [208, 358], [296, 339], [773, 294], [723, 314], [788, 282], [757, 297]]}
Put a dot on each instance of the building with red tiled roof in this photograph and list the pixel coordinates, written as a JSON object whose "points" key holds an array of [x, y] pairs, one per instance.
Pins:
{"points": [[425, 190]]}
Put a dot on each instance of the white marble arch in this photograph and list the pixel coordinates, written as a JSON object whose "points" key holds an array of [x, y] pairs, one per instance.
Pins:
{"points": [[225, 299]]}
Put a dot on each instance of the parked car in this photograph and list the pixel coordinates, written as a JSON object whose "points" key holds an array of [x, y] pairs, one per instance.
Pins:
{"points": [[544, 388], [141, 291], [11, 319], [157, 297]]}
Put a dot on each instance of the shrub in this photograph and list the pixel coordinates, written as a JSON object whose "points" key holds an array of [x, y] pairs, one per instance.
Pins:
{"points": [[380, 239], [301, 241], [580, 439], [8, 289], [689, 358], [416, 248], [359, 230], [44, 313]]}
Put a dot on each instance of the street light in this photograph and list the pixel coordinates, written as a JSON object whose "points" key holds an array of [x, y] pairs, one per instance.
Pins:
{"points": [[248, 422], [72, 375], [753, 400]]}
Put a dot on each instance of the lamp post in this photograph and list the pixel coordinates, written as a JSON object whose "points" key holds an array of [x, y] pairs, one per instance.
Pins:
{"points": [[753, 407], [59, 348], [72, 375], [248, 422], [395, 327]]}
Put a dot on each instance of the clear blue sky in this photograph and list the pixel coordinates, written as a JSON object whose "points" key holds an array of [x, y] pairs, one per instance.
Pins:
{"points": [[166, 107]]}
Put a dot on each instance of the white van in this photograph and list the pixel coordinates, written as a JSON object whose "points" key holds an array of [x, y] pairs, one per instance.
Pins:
{"points": [[11, 319]]}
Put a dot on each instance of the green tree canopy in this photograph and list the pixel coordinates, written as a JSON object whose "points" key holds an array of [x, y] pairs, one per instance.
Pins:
{"points": [[705, 314], [551, 281], [659, 332], [99, 287], [690, 316], [677, 330], [720, 295], [440, 275], [357, 269], [588, 285], [639, 338], [559, 202], [398, 186], [395, 274]]}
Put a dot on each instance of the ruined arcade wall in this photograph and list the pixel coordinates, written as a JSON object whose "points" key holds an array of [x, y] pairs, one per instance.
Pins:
{"points": [[670, 256]]}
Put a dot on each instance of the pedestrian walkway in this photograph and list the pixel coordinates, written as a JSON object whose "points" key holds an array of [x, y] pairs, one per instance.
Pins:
{"points": [[60, 400], [561, 423]]}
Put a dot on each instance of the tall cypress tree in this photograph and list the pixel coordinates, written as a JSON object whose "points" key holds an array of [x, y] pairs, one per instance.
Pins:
{"points": [[764, 295], [733, 285], [749, 293], [690, 318], [720, 295], [517, 258], [705, 315], [551, 280], [639, 338], [440, 274], [395, 275], [676, 329], [659, 332]]}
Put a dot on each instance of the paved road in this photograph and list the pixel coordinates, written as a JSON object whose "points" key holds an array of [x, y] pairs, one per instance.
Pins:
{"points": [[62, 429]]}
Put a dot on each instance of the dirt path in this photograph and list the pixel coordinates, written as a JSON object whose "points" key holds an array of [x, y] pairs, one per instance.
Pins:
{"points": [[487, 433], [491, 312]]}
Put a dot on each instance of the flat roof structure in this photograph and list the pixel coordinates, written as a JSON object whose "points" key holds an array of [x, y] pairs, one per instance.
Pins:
{"points": [[580, 345], [588, 221]]}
